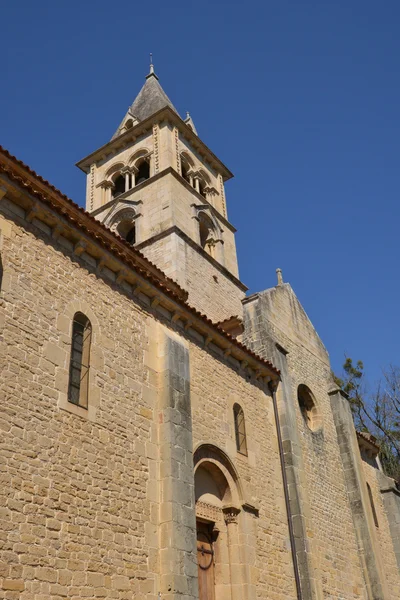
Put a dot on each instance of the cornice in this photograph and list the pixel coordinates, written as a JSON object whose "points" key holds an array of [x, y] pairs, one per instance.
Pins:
{"points": [[165, 114]]}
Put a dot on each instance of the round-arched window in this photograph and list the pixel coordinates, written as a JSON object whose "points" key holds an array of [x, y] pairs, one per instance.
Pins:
{"points": [[143, 171], [119, 186], [308, 408]]}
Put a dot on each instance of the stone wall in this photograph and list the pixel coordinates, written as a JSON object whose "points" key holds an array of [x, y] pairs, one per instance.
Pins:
{"points": [[265, 567], [218, 296], [328, 549], [99, 502], [74, 487], [386, 501]]}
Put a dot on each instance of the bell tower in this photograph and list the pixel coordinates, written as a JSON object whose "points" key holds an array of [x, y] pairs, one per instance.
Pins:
{"points": [[157, 185]]}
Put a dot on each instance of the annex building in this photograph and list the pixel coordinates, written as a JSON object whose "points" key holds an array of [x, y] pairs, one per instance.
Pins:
{"points": [[164, 436]]}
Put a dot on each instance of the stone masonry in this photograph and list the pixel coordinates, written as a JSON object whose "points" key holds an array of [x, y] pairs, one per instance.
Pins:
{"points": [[205, 465]]}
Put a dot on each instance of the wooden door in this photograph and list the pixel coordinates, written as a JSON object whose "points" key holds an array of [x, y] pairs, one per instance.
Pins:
{"points": [[205, 561]]}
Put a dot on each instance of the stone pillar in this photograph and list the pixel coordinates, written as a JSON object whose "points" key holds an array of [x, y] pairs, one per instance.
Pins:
{"points": [[219, 252], [127, 182], [235, 559], [177, 526], [310, 582], [197, 184], [361, 511], [391, 502]]}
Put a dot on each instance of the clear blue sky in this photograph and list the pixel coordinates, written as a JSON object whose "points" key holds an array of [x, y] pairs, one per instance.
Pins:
{"points": [[300, 99]]}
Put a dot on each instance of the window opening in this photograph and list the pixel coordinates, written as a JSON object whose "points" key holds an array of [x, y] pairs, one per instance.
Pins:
{"points": [[131, 236], [371, 500], [143, 172], [119, 186], [240, 429], [206, 234], [79, 362], [308, 408], [185, 171], [201, 188]]}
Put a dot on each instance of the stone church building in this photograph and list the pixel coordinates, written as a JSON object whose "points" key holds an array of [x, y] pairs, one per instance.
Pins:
{"points": [[165, 436]]}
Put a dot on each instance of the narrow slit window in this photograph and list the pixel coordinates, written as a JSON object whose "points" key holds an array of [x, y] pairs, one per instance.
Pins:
{"points": [[372, 505], [240, 429], [78, 389]]}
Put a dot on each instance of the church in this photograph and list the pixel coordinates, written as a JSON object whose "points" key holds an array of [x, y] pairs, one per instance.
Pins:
{"points": [[166, 436]]}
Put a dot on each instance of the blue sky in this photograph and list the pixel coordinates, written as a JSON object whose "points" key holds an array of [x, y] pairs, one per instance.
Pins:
{"points": [[300, 99]]}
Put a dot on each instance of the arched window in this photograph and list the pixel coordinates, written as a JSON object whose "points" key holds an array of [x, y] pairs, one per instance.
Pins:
{"points": [[78, 389], [371, 500], [131, 235], [206, 233], [143, 172], [119, 186], [202, 185], [308, 408], [126, 228], [185, 170], [240, 429]]}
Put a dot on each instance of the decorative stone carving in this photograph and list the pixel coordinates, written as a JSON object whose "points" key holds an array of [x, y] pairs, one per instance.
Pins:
{"points": [[222, 192], [178, 156], [91, 198], [208, 511], [231, 514], [156, 144]]}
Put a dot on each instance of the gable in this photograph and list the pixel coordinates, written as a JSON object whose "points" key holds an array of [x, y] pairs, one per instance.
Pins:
{"points": [[281, 307]]}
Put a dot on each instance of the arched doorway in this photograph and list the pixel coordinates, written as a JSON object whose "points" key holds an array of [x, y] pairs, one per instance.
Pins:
{"points": [[217, 512]]}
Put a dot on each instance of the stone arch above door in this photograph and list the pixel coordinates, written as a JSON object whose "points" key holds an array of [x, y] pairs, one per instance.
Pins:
{"points": [[218, 498], [220, 467]]}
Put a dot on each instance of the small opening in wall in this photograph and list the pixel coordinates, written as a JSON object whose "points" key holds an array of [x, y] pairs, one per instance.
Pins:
{"points": [[185, 171], [127, 230], [240, 429], [131, 236], [201, 188], [143, 172], [119, 186], [371, 500], [308, 408]]}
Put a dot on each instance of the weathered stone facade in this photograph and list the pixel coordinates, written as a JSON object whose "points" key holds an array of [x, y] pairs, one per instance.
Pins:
{"points": [[197, 468]]}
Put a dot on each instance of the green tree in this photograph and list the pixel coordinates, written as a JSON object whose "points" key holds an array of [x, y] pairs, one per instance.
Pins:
{"points": [[377, 411]]}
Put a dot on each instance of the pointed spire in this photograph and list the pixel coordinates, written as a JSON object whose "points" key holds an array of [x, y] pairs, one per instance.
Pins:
{"points": [[151, 72], [149, 100], [189, 122]]}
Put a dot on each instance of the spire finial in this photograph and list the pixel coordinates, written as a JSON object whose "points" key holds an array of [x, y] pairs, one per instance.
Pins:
{"points": [[280, 278], [151, 64]]}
